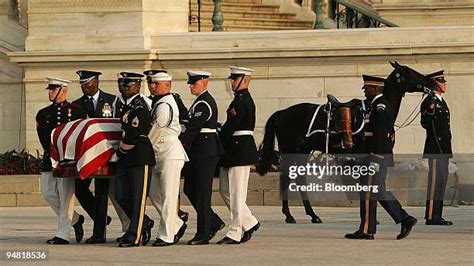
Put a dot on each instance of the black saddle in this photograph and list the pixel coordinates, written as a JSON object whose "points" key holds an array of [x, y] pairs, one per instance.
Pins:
{"points": [[357, 110], [336, 103]]}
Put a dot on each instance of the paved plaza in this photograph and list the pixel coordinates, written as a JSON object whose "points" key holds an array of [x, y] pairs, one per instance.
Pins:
{"points": [[275, 243]]}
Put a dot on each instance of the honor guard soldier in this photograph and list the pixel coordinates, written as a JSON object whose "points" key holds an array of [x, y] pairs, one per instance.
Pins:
{"points": [[58, 192], [118, 108], [136, 158], [183, 114], [240, 153], [204, 149], [378, 144], [98, 104], [435, 119], [170, 157]]}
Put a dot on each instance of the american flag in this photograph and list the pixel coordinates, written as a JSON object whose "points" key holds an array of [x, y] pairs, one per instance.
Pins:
{"points": [[91, 143]]}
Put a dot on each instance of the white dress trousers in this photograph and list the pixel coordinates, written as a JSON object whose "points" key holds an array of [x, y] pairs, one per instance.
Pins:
{"points": [[233, 188], [59, 192], [170, 157]]}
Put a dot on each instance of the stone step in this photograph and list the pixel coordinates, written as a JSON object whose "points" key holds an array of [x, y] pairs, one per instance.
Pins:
{"points": [[408, 186], [19, 184], [208, 27], [231, 1], [268, 22], [235, 7], [207, 14]]}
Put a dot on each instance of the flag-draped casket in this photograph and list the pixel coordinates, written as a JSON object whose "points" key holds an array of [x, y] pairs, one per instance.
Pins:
{"points": [[85, 147]]}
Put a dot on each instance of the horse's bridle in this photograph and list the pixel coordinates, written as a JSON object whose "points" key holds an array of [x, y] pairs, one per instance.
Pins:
{"points": [[426, 91]]}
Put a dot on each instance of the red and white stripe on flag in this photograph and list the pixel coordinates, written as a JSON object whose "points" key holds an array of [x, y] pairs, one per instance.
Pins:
{"points": [[89, 142]]}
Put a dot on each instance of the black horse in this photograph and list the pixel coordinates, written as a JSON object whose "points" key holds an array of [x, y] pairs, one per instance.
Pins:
{"points": [[290, 126]]}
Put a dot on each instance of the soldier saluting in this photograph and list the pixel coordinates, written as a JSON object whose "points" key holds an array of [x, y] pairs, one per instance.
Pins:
{"points": [[435, 118], [58, 192]]}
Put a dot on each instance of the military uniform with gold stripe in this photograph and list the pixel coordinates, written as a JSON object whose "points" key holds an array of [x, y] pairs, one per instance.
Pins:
{"points": [[134, 167], [435, 119], [378, 146]]}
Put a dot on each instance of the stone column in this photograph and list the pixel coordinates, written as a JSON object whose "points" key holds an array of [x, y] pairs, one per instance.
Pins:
{"points": [[12, 108]]}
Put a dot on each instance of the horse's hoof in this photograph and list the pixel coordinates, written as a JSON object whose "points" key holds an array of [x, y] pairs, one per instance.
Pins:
{"points": [[316, 220], [290, 220]]}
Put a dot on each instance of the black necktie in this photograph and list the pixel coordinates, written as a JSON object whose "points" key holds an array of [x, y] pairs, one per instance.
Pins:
{"points": [[90, 104]]}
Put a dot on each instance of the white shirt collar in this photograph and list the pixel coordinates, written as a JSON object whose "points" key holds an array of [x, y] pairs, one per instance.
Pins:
{"points": [[95, 97], [376, 97], [129, 100], [439, 96]]}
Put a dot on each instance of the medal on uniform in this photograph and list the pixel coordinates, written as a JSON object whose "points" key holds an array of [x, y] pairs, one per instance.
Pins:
{"points": [[69, 111], [106, 110]]}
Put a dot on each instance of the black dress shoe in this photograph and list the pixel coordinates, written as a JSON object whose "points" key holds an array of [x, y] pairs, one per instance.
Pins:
{"points": [[227, 241], [214, 231], [183, 215], [248, 234], [108, 220], [95, 240], [161, 243], [125, 243], [407, 225], [359, 235], [78, 229], [57, 241], [180, 233], [197, 241], [120, 238], [440, 222], [146, 234]]}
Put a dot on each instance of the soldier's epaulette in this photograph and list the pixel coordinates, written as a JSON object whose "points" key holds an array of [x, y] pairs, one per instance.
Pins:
{"points": [[381, 106]]}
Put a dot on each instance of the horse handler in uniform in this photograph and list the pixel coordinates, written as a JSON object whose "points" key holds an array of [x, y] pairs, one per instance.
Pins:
{"points": [[58, 192], [379, 145], [435, 119], [240, 153], [170, 157]]}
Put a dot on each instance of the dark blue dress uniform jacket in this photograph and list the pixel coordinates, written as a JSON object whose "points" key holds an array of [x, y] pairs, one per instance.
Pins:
{"points": [[239, 150], [436, 121], [379, 140], [104, 98], [51, 117], [202, 114], [135, 148]]}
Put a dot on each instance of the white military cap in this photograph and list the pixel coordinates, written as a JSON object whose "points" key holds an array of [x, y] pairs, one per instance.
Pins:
{"points": [[57, 82], [235, 70], [196, 75], [161, 76]]}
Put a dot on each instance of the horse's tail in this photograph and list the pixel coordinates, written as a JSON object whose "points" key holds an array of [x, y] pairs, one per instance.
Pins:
{"points": [[267, 148]]}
